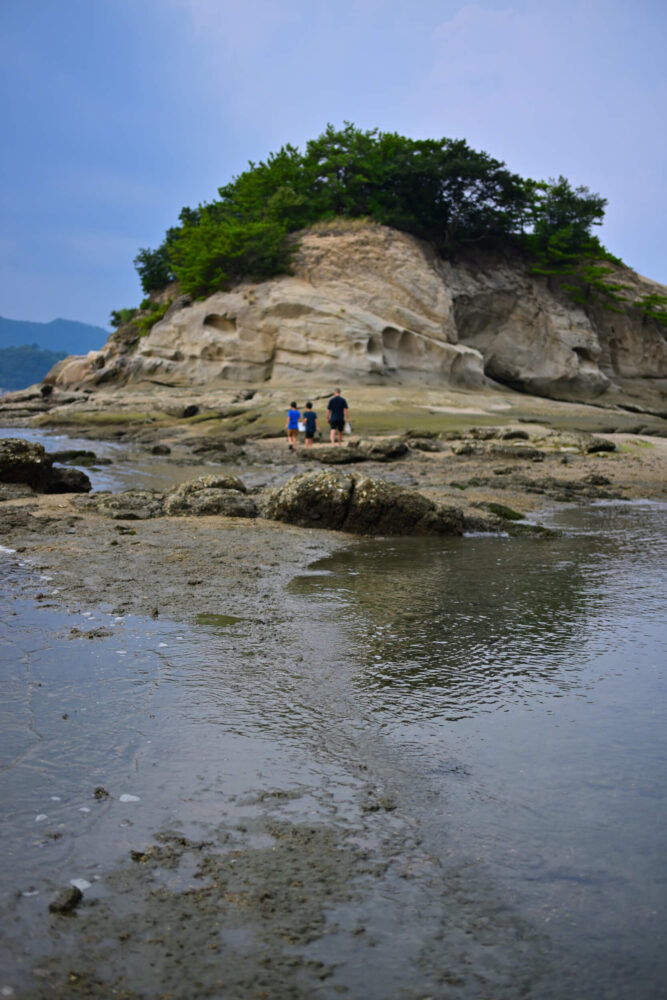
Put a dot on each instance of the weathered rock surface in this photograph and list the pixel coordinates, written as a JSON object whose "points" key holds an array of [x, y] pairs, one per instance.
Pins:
{"points": [[24, 462], [67, 481], [213, 494], [334, 455], [129, 505], [78, 456], [386, 450], [360, 504], [66, 900], [372, 305], [225, 495], [28, 463]]}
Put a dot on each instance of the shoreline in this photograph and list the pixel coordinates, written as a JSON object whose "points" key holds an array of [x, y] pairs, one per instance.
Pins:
{"points": [[500, 457]]}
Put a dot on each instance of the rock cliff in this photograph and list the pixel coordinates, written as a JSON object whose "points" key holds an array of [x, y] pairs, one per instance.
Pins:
{"points": [[370, 305]]}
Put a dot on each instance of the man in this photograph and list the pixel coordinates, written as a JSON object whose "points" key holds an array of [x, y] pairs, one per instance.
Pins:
{"points": [[338, 413]]}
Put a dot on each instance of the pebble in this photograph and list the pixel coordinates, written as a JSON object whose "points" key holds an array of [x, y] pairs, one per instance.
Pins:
{"points": [[66, 900]]}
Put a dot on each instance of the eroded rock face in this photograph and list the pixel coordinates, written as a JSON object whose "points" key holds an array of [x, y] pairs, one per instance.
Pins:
{"points": [[372, 305], [360, 504]]}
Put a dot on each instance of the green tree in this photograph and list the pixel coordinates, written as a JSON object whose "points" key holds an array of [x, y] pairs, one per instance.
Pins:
{"points": [[154, 268], [119, 317], [438, 189]]}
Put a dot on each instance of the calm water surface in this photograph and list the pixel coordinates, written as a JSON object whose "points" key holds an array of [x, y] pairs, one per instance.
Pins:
{"points": [[524, 683], [507, 694]]}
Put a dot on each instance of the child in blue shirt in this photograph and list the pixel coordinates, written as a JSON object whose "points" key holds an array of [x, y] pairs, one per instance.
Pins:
{"points": [[292, 426]]}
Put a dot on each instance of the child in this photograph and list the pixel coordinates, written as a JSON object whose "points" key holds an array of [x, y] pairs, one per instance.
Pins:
{"points": [[310, 420], [292, 426]]}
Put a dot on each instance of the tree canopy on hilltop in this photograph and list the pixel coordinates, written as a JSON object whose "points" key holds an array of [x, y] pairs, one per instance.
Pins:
{"points": [[438, 189]]}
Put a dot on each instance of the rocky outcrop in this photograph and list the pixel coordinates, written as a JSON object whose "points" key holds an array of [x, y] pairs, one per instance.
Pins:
{"points": [[222, 495], [129, 505], [360, 504], [370, 305], [28, 463], [386, 450]]}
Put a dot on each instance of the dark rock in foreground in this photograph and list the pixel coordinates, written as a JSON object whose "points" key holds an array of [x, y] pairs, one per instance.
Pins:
{"points": [[67, 900], [24, 462], [67, 481], [360, 504], [27, 462]]}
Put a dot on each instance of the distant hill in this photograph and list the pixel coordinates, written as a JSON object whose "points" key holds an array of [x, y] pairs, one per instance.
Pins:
{"points": [[25, 365], [59, 335]]}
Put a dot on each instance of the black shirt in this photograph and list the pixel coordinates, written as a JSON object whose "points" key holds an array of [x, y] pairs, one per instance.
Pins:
{"points": [[337, 405]]}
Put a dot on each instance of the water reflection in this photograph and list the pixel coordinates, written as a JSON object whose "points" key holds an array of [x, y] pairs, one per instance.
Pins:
{"points": [[527, 681], [459, 625]]}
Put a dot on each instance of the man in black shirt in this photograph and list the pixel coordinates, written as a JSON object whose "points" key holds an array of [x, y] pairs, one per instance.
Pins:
{"points": [[337, 412]]}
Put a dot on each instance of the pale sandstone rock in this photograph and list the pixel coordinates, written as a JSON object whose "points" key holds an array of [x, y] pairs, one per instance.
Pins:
{"points": [[374, 306]]}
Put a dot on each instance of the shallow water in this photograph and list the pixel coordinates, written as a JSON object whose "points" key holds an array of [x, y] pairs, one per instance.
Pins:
{"points": [[483, 715], [524, 684], [132, 465]]}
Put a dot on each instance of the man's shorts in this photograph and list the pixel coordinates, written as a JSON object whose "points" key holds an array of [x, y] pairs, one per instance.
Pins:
{"points": [[310, 435], [337, 425]]}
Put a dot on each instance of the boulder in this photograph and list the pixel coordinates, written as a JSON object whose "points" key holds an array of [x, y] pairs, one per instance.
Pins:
{"points": [[67, 481], [66, 900], [380, 508], [24, 462], [424, 444], [524, 451], [213, 494], [334, 455], [313, 500], [360, 504], [28, 463], [384, 451], [130, 505], [78, 456], [596, 444]]}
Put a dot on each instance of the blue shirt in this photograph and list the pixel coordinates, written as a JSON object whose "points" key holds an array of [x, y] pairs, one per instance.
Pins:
{"points": [[293, 417]]}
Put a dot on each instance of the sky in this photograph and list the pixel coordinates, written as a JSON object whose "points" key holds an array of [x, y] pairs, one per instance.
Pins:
{"points": [[117, 113]]}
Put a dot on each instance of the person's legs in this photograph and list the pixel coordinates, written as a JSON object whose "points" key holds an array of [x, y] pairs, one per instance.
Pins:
{"points": [[332, 436]]}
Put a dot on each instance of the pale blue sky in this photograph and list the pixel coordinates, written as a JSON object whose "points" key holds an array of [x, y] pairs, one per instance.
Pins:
{"points": [[116, 113]]}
